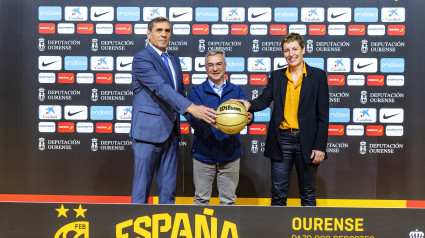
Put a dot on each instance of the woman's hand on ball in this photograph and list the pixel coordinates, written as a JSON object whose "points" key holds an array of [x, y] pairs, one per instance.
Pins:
{"points": [[244, 102]]}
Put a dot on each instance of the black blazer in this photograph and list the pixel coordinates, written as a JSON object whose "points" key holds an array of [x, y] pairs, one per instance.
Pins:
{"points": [[313, 112]]}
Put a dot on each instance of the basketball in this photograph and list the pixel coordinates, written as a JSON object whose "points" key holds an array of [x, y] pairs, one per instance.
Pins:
{"points": [[232, 117]]}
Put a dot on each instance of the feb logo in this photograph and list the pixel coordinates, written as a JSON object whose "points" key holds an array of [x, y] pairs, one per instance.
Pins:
{"points": [[79, 228]]}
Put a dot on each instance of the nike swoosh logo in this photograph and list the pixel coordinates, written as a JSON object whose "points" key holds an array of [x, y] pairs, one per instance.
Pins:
{"points": [[178, 15], [281, 66], [73, 113], [123, 65], [386, 117], [362, 66], [47, 64], [201, 65], [335, 16], [255, 16], [101, 14]]}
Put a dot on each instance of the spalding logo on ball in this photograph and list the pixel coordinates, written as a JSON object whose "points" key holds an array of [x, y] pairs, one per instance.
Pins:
{"points": [[232, 117]]}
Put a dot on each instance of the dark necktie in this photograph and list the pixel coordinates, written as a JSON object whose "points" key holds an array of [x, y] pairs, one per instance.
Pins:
{"points": [[165, 57]]}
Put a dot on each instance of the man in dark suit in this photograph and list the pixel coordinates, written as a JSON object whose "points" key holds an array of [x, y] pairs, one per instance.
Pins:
{"points": [[159, 98], [298, 127]]}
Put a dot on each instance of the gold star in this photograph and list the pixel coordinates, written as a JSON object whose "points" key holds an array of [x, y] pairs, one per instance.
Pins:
{"points": [[80, 212], [62, 211]]}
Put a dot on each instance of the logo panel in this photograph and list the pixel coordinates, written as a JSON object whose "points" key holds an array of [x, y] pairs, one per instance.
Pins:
{"points": [[239, 79], [184, 128], [258, 79], [312, 14], [182, 14], [336, 80], [258, 29], [85, 127], [391, 115], [339, 114], [364, 115], [66, 127], [103, 127], [47, 28], [259, 14], [392, 65], [75, 112], [262, 116], [76, 13], [257, 129], [396, 30], [121, 78], [102, 13], [150, 13], [239, 29], [355, 130], [365, 65], [259, 64], [230, 14], [105, 29], [317, 30], [374, 130], [123, 29], [356, 80], [124, 63], [49, 13], [49, 112], [66, 78], [235, 64], [101, 63], [101, 113], [316, 62], [104, 78], [76, 63], [376, 30], [286, 14], [364, 14], [219, 29], [85, 78], [356, 30], [206, 14], [300, 29], [337, 30], [46, 127], [375, 80], [128, 14], [397, 14], [339, 14], [66, 28], [279, 30], [394, 130], [85, 28], [395, 80], [122, 128], [200, 29], [124, 113], [336, 130], [49, 63], [342, 65]]}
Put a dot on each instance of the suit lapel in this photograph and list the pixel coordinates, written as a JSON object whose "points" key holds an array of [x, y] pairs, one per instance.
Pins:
{"points": [[282, 87], [306, 84], [159, 61]]}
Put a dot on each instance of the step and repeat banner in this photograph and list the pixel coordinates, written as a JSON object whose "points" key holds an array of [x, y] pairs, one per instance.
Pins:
{"points": [[67, 94]]}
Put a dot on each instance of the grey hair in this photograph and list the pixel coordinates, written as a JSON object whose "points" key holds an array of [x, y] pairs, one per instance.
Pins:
{"points": [[155, 20], [214, 52]]}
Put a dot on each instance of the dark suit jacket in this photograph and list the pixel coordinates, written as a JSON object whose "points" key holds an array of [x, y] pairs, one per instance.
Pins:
{"points": [[156, 104], [313, 112]]}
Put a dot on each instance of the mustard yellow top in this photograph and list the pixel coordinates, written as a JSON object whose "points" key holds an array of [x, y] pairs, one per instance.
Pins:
{"points": [[292, 100]]}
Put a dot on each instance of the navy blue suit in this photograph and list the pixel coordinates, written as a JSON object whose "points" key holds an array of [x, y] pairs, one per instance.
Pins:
{"points": [[155, 124]]}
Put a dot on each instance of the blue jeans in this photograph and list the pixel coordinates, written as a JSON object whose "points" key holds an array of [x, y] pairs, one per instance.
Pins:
{"points": [[281, 172]]}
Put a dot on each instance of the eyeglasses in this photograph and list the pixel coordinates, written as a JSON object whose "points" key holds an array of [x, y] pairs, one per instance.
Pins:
{"points": [[218, 65]]}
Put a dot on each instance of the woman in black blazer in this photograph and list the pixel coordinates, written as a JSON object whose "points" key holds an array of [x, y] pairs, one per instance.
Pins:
{"points": [[298, 127]]}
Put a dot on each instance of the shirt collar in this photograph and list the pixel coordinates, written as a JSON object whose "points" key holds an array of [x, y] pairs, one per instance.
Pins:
{"points": [[158, 50], [304, 70], [215, 86]]}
